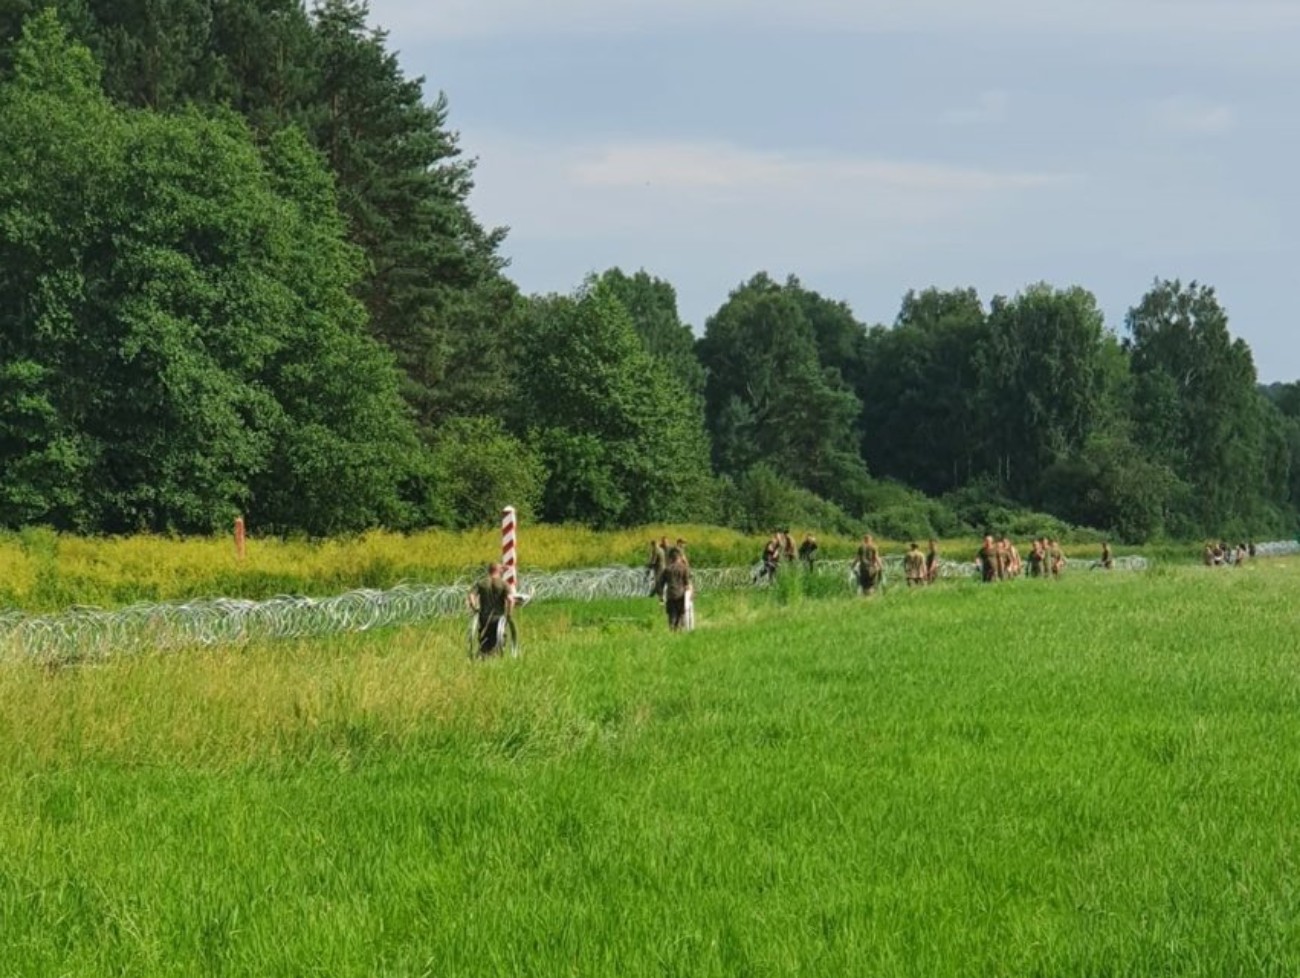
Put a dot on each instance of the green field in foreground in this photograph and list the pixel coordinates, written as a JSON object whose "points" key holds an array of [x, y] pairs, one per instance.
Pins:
{"points": [[1099, 776]]}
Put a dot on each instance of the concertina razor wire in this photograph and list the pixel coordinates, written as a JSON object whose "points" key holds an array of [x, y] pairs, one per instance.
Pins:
{"points": [[80, 635]]}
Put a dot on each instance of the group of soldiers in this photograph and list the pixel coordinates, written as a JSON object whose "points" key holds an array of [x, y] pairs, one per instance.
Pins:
{"points": [[999, 559], [780, 546], [669, 573], [918, 568], [1222, 554]]}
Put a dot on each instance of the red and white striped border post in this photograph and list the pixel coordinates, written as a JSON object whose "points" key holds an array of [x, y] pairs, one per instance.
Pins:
{"points": [[509, 525]]}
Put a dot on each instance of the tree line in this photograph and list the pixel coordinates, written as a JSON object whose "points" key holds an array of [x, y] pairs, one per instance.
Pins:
{"points": [[239, 273]]}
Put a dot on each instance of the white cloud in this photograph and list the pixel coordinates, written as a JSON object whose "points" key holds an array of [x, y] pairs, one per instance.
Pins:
{"points": [[988, 108], [759, 207], [1191, 117], [461, 18], [723, 167]]}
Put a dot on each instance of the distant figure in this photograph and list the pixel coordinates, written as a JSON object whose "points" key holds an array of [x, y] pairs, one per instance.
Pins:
{"points": [[492, 600], [1037, 558], [1014, 567], [932, 562], [1107, 561], [681, 546], [771, 558], [1057, 557], [656, 564], [869, 565], [675, 585], [787, 546], [808, 552], [914, 566], [1004, 558], [988, 561], [1207, 555]]}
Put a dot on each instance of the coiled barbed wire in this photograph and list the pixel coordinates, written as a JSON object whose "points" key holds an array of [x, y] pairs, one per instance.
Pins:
{"points": [[81, 634]]}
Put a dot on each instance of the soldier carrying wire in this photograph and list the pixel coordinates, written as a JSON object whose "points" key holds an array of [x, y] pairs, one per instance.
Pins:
{"points": [[492, 600]]}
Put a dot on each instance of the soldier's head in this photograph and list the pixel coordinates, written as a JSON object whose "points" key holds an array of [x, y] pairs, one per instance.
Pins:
{"points": [[494, 569], [674, 555]]}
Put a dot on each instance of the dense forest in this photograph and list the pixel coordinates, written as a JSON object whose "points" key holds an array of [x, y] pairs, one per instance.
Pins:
{"points": [[239, 273]]}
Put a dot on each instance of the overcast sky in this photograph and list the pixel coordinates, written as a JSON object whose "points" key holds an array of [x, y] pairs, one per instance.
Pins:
{"points": [[873, 146]]}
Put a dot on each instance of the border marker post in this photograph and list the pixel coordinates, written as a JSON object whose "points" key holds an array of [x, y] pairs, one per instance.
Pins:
{"points": [[509, 532]]}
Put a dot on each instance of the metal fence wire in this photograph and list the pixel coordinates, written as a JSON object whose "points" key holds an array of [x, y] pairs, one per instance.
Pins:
{"points": [[93, 634]]}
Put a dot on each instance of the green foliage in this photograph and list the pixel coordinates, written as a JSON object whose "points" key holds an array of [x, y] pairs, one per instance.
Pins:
{"points": [[652, 304], [188, 347], [1196, 404], [1042, 382], [983, 507], [760, 501], [1112, 484], [209, 209], [920, 419], [769, 399], [622, 442], [433, 285], [477, 468]]}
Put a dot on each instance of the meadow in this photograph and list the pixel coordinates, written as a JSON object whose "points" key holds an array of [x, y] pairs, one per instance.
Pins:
{"points": [[1097, 776]]}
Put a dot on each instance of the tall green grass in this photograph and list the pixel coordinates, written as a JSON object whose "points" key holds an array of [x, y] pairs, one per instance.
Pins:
{"points": [[1097, 776]]}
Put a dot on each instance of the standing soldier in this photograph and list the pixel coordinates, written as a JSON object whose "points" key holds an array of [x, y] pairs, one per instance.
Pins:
{"points": [[492, 600], [771, 558], [1057, 556], [655, 566], [1037, 557], [1107, 561], [932, 562], [675, 584], [868, 565], [1013, 558], [787, 546], [658, 561], [914, 566], [988, 560], [808, 552]]}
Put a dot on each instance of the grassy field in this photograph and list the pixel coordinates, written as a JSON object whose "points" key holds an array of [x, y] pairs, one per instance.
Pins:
{"points": [[1098, 776]]}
